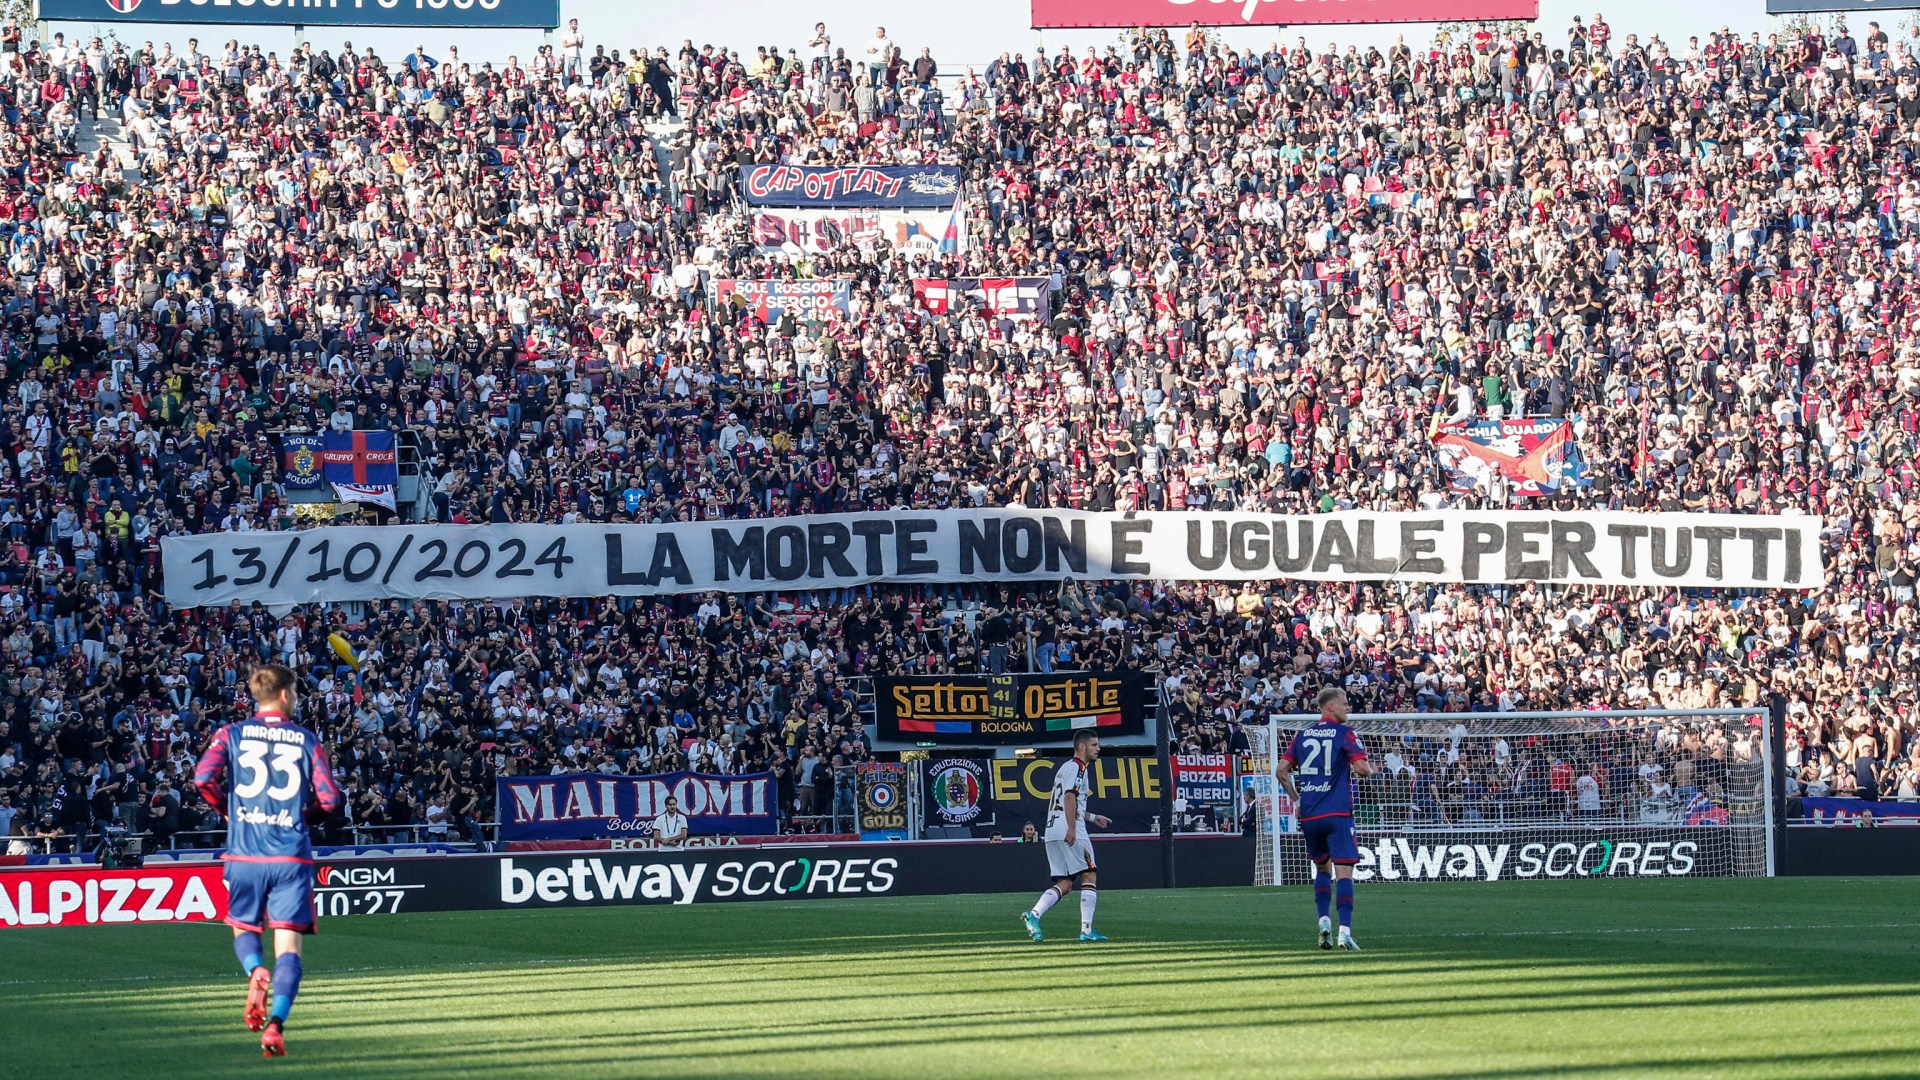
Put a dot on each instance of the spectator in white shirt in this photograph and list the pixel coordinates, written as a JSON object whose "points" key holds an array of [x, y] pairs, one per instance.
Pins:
{"points": [[670, 826], [1587, 792], [572, 46], [879, 49]]}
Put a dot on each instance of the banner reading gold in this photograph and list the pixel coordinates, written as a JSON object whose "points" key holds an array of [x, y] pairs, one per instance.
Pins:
{"points": [[883, 797]]}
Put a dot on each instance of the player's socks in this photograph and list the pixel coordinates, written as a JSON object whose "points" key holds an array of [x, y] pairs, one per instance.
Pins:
{"points": [[1323, 892], [1046, 901], [246, 946], [1343, 900], [286, 984], [1089, 898]]}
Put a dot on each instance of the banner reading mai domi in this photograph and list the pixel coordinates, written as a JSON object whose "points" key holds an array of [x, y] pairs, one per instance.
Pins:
{"points": [[477, 562], [580, 806]]}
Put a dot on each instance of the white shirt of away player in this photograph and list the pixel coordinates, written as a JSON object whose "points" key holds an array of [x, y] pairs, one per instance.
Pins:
{"points": [[1069, 846], [1073, 777]]}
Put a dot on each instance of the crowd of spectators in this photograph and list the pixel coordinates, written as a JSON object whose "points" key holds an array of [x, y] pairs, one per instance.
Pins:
{"points": [[1274, 269]]}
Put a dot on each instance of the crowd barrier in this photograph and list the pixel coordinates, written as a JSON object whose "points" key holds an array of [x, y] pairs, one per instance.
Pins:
{"points": [[514, 881], [1843, 851], [1820, 811], [177, 892]]}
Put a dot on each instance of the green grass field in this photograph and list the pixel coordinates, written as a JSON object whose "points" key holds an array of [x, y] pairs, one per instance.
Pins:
{"points": [[1789, 978]]}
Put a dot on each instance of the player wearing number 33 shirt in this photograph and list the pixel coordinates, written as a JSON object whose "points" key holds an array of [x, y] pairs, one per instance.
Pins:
{"points": [[267, 774], [1069, 850]]}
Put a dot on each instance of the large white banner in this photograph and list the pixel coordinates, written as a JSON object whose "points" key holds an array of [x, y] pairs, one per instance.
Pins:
{"points": [[445, 562]]}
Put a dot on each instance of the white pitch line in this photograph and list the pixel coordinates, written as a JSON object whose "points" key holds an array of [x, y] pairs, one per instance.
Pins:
{"points": [[1675, 929], [589, 963]]}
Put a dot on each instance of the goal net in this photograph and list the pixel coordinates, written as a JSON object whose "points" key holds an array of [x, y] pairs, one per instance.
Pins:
{"points": [[1511, 796]]}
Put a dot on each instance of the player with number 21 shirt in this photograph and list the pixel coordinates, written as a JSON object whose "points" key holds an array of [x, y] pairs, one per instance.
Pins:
{"points": [[1318, 771]]}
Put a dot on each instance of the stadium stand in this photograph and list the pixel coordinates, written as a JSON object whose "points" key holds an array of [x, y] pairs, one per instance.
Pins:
{"points": [[1705, 254]]}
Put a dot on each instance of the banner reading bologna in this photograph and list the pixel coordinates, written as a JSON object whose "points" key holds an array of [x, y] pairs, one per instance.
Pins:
{"points": [[828, 186], [537, 14], [818, 300], [301, 458], [573, 806], [1131, 13], [1008, 710], [479, 562]]}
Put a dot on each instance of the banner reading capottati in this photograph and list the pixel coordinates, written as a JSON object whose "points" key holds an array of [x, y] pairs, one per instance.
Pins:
{"points": [[476, 562]]}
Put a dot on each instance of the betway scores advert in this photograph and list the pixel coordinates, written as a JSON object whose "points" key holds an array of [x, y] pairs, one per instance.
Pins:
{"points": [[612, 879]]}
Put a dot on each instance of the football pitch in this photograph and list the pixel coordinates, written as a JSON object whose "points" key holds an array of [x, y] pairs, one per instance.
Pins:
{"points": [[1790, 977]]}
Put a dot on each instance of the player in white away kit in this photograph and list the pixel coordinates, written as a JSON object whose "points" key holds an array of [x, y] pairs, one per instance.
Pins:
{"points": [[1069, 848]]}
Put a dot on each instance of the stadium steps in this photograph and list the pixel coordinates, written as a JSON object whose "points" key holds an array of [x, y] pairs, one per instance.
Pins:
{"points": [[667, 135], [111, 133]]}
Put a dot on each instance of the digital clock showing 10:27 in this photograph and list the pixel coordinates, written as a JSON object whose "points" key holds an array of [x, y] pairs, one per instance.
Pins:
{"points": [[354, 900], [358, 890]]}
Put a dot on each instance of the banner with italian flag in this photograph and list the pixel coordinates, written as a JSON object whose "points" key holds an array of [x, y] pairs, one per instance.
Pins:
{"points": [[1009, 710], [1089, 720]]}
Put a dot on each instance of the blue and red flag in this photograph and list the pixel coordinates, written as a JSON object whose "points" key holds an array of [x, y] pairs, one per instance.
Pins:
{"points": [[361, 458]]}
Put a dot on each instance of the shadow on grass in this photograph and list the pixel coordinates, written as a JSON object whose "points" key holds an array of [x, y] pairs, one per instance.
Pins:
{"points": [[678, 1006]]}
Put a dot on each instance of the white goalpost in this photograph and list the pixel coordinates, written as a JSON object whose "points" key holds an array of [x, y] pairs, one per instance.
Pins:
{"points": [[1527, 795]]}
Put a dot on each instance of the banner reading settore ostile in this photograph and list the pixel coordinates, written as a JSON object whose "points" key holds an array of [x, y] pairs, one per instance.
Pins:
{"points": [[1008, 710], [476, 562]]}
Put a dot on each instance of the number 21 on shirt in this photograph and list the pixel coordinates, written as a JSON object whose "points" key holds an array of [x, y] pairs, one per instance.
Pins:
{"points": [[1316, 756]]}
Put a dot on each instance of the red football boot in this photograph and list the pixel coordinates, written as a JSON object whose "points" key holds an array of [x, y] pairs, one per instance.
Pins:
{"points": [[259, 986], [272, 1043]]}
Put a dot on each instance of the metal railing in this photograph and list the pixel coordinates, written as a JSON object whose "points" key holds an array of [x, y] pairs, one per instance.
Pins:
{"points": [[90, 841]]}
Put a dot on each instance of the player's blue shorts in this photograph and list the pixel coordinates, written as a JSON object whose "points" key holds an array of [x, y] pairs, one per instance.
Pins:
{"points": [[1331, 837], [270, 895]]}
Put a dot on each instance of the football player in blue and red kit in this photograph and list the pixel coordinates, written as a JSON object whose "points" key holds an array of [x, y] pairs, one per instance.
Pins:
{"points": [[279, 777], [1318, 771]]}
